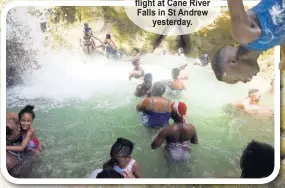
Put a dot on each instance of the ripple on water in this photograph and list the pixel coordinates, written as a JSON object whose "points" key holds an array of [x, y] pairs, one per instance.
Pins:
{"points": [[82, 113]]}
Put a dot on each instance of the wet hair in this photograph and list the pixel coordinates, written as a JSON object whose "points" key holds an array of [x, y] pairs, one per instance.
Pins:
{"points": [[108, 36], [176, 118], [257, 160], [135, 62], [119, 145], [136, 49], [175, 73], [251, 91], [109, 174], [216, 64], [122, 147], [158, 89], [148, 78], [28, 109]]}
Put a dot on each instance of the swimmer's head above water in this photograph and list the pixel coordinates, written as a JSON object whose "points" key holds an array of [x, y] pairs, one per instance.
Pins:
{"points": [[257, 160], [233, 64], [136, 63], [178, 112], [158, 89], [148, 78], [254, 95], [120, 152], [108, 36], [135, 51], [175, 73], [26, 117]]}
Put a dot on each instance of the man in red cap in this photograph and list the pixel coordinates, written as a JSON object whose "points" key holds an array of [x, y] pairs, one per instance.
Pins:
{"points": [[178, 135]]}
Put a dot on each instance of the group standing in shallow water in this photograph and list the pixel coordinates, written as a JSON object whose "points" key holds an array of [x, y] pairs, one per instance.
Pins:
{"points": [[230, 65]]}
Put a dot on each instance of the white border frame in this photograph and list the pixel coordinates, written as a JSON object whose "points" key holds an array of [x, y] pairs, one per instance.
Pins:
{"points": [[127, 181]]}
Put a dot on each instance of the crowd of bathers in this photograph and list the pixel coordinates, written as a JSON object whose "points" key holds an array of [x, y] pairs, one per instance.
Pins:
{"points": [[156, 111], [257, 32]]}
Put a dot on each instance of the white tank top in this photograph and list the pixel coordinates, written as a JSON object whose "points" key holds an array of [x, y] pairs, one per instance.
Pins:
{"points": [[127, 169]]}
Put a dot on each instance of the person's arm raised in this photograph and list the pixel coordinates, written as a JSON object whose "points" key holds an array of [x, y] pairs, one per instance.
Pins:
{"points": [[241, 25]]}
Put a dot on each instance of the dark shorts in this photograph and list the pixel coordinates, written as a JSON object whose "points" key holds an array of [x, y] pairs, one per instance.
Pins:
{"points": [[111, 50]]}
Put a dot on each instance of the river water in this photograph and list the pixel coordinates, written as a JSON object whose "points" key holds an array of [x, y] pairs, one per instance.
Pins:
{"points": [[82, 108]]}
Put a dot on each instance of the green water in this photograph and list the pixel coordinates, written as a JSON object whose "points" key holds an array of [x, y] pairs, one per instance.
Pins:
{"points": [[78, 131]]}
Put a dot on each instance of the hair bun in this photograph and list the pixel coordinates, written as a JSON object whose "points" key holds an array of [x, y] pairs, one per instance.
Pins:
{"points": [[30, 107]]}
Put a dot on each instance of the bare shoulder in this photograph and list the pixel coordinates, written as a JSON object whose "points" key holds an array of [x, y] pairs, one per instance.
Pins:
{"points": [[12, 116], [147, 102], [147, 99], [191, 127], [166, 130]]}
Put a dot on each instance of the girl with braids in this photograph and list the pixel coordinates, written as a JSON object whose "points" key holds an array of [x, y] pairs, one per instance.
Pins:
{"points": [[28, 134], [121, 160]]}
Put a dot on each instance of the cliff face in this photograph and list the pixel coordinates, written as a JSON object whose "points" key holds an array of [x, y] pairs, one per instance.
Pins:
{"points": [[102, 20]]}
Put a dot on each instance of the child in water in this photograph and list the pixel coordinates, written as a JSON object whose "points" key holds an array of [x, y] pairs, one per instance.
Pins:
{"points": [[259, 29], [28, 134], [137, 72], [121, 160], [144, 88]]}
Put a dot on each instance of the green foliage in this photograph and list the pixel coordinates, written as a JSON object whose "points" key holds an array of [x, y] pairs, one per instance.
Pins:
{"points": [[172, 44], [212, 37], [148, 43]]}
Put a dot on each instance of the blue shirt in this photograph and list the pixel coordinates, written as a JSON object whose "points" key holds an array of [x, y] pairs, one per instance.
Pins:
{"points": [[271, 15]]}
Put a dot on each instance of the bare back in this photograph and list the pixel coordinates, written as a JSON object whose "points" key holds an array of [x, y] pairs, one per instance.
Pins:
{"points": [[176, 133], [110, 43], [157, 104], [177, 85]]}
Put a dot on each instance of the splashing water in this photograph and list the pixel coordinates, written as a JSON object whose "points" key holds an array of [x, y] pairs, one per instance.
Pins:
{"points": [[82, 108]]}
